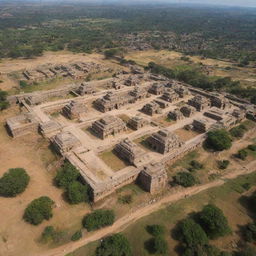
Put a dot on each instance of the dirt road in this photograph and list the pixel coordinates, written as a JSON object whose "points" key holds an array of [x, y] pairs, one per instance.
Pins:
{"points": [[126, 220]]}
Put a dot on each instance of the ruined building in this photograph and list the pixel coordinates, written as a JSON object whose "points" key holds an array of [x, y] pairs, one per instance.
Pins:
{"points": [[176, 115], [201, 125], [113, 101], [219, 101], [22, 124], [131, 152], [139, 93], [153, 178], [164, 141], [74, 109], [137, 122], [85, 88], [157, 89], [151, 108], [187, 110], [182, 91], [199, 102], [108, 125], [64, 142], [170, 95]]}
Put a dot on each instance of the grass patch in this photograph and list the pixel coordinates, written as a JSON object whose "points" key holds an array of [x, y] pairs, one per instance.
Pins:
{"points": [[186, 160], [113, 161]]}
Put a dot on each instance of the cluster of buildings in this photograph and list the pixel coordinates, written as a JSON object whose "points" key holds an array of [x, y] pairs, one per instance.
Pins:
{"points": [[146, 166]]}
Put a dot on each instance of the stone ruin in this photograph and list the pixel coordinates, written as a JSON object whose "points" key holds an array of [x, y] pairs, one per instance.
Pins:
{"points": [[151, 108], [139, 93], [49, 128], [156, 89], [201, 125], [137, 122], [182, 91], [162, 103], [153, 178], [64, 142], [75, 109], [164, 141], [131, 152], [199, 102], [108, 125], [22, 124], [113, 101], [176, 115], [219, 101], [85, 88], [132, 81], [187, 110], [170, 95]]}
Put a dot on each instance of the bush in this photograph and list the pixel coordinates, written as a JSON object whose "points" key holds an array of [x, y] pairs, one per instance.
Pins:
{"points": [[238, 131], [247, 251], [160, 245], [66, 175], [23, 84], [3, 100], [77, 192], [115, 245], [252, 147], [242, 154], [185, 179], [126, 199], [48, 234], [76, 236], [14, 182], [223, 164], [218, 140], [213, 221], [38, 210], [252, 202], [249, 232], [98, 219], [191, 233], [156, 230], [195, 165]]}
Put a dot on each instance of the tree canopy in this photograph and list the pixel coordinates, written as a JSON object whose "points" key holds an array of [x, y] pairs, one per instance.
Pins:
{"points": [[38, 210], [184, 179], [77, 192], [14, 182], [3, 100], [98, 219], [213, 221], [218, 140], [115, 245]]}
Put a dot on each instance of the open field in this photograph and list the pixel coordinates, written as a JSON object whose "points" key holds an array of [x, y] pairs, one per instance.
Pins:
{"points": [[227, 197], [213, 67], [32, 153]]}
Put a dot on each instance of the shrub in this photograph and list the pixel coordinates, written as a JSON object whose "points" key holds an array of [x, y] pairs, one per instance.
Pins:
{"points": [[195, 165], [246, 186], [185, 179], [252, 147], [77, 192], [3, 100], [48, 234], [238, 131], [98, 219], [76, 236], [14, 182], [156, 230], [249, 232], [115, 245], [191, 233], [252, 202], [38, 210], [160, 245], [223, 164], [213, 221], [247, 251], [66, 175], [242, 154], [23, 84], [126, 199], [218, 140]]}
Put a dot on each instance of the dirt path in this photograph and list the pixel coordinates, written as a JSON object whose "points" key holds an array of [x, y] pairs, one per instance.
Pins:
{"points": [[126, 220]]}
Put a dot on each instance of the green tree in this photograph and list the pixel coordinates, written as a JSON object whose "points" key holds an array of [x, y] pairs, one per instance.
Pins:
{"points": [[66, 175], [76, 236], [14, 182], [156, 230], [191, 233], [77, 192], [218, 140], [98, 219], [115, 245], [238, 131], [213, 221], [242, 154], [184, 179], [160, 245], [3, 100], [223, 164], [38, 210]]}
